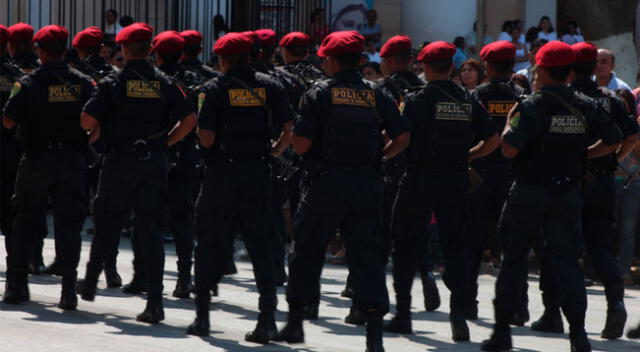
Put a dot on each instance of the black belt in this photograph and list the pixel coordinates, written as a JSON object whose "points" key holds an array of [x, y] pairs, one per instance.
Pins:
{"points": [[48, 146], [141, 148], [546, 180]]}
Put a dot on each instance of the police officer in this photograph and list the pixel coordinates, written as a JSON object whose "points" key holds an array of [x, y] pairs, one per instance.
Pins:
{"points": [[45, 105], [401, 81], [21, 50], [133, 111], [168, 47], [598, 212], [340, 132], [548, 135], [10, 148], [445, 119], [88, 43], [295, 52], [235, 122], [498, 96], [193, 48]]}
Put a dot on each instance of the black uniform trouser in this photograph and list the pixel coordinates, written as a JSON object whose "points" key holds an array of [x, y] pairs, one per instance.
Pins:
{"points": [[349, 198], [529, 209], [599, 232], [485, 205], [235, 190], [422, 193], [58, 176], [278, 198], [129, 183], [8, 170]]}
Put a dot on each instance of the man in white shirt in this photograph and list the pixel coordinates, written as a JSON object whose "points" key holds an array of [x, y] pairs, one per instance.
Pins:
{"points": [[535, 46], [112, 27], [605, 77]]}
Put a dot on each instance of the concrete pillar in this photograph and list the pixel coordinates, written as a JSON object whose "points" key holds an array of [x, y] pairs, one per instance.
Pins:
{"points": [[535, 9], [431, 20]]}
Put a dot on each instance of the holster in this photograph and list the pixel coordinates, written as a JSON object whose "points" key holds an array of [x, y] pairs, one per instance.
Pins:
{"points": [[475, 180]]}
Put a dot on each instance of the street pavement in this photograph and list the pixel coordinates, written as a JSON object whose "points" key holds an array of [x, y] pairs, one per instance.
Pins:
{"points": [[109, 325]]}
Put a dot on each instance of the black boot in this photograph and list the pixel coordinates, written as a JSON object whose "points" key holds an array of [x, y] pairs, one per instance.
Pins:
{"points": [[459, 328], [68, 299], [135, 287], [471, 311], [183, 288], [355, 317], [616, 318], [579, 341], [520, 318], [374, 334], [500, 340], [550, 321], [16, 293], [153, 313], [400, 324], [430, 292], [311, 312], [53, 268], [200, 326], [634, 333], [88, 287], [264, 332], [36, 268], [113, 278], [293, 331]]}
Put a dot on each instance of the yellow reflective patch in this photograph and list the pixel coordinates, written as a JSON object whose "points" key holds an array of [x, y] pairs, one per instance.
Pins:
{"points": [[142, 89], [499, 108], [17, 87], [62, 94], [201, 98], [348, 96], [451, 111], [243, 97], [515, 119]]}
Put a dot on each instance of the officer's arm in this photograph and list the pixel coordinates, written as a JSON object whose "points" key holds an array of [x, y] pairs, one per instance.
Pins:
{"points": [[283, 142], [628, 144], [599, 149], [182, 129], [207, 137], [300, 144], [485, 147], [609, 133], [397, 145], [8, 123], [91, 125]]}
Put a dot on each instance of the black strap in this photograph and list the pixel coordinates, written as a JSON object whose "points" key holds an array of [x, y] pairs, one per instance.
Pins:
{"points": [[509, 91], [572, 109], [258, 97], [369, 103]]}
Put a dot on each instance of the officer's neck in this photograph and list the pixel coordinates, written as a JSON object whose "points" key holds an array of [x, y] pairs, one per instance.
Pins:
{"points": [[498, 77]]}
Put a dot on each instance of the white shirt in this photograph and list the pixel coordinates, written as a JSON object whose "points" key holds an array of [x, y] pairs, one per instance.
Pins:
{"points": [[572, 38], [548, 36], [506, 36], [114, 28], [375, 57], [616, 83]]}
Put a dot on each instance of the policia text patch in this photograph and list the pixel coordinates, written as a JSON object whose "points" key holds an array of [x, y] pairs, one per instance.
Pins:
{"points": [[243, 97], [62, 94], [142, 89], [348, 96], [566, 125], [499, 108], [453, 111]]}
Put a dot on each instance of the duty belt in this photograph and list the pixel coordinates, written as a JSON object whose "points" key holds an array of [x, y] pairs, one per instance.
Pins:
{"points": [[141, 148], [45, 146]]}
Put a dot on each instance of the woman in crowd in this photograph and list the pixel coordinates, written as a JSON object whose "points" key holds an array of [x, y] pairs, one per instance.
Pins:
{"points": [[546, 29], [522, 54], [471, 74], [572, 35], [371, 71], [628, 198]]}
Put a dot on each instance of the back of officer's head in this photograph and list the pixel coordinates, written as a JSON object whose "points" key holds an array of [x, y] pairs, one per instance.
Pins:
{"points": [[168, 47], [233, 50], [554, 62], [267, 41], [192, 42], [51, 41], [396, 54], [19, 38], [135, 40], [88, 42], [437, 58], [586, 59], [295, 46], [500, 58], [342, 50]]}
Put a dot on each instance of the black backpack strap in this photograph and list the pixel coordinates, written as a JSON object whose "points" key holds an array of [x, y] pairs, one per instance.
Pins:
{"points": [[366, 100]]}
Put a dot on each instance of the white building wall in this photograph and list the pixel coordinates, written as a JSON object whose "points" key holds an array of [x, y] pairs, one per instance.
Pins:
{"points": [[431, 20]]}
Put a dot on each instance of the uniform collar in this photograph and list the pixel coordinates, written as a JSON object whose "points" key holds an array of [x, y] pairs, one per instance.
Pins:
{"points": [[192, 62], [243, 71], [584, 84], [171, 69], [562, 90], [348, 75], [55, 65], [139, 64], [26, 58], [500, 80]]}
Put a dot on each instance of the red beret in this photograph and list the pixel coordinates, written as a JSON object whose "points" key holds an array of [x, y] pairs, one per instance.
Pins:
{"points": [[191, 37], [233, 44], [20, 32], [585, 52], [266, 37], [343, 42], [498, 51], [137, 32], [88, 38], [295, 39], [252, 35], [50, 33], [437, 51], [4, 35], [167, 42], [396, 45], [555, 53]]}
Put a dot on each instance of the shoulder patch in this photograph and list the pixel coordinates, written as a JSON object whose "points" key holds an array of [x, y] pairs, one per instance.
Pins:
{"points": [[499, 108], [201, 98], [5, 84], [15, 90], [348, 96]]}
